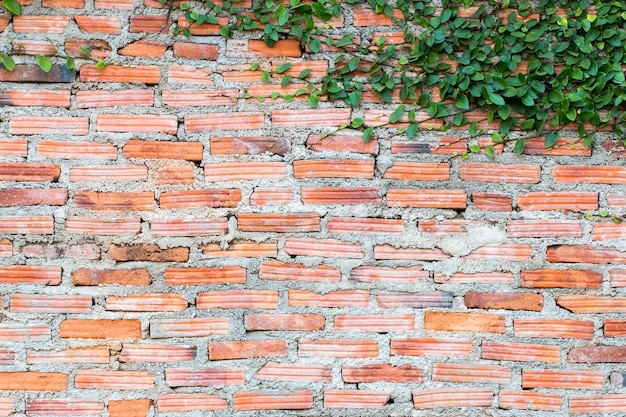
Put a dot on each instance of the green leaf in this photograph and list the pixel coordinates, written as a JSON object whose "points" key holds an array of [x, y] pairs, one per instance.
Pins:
{"points": [[44, 63], [283, 68], [86, 52], [367, 134], [7, 62], [551, 139], [396, 115], [473, 129], [315, 45], [275, 94], [101, 64], [13, 6], [69, 63], [313, 100], [285, 80], [489, 151], [304, 73], [504, 111], [357, 122], [519, 146], [497, 99], [412, 130], [462, 102], [265, 77], [254, 66]]}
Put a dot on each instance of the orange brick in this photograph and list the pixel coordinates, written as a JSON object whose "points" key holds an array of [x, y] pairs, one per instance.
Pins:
{"points": [[33, 197], [618, 278], [33, 381], [147, 74], [376, 274], [340, 398], [599, 174], [340, 298], [464, 322], [382, 372], [21, 171], [606, 231], [333, 168], [264, 93], [7, 357], [282, 223], [613, 200], [181, 173], [380, 118], [100, 329], [72, 4], [133, 277], [367, 17], [418, 171], [13, 147], [97, 173], [113, 380], [379, 323], [195, 50], [144, 48], [575, 329], [64, 407], [529, 174], [76, 150], [459, 372], [563, 147], [44, 98], [244, 171], [529, 400], [388, 252], [423, 198], [205, 275], [30, 303], [186, 74], [282, 271], [608, 403], [232, 299], [294, 372], [550, 278], [597, 354], [592, 304], [190, 151], [25, 333], [340, 225], [89, 226], [516, 252], [200, 198], [40, 24], [97, 354], [90, 200], [19, 225], [614, 328], [129, 408], [282, 48], [443, 146], [189, 227], [311, 117], [6, 249], [556, 378], [180, 98], [452, 397], [444, 227], [200, 327], [190, 402], [223, 121], [247, 349], [204, 28], [249, 145], [147, 252], [156, 353], [543, 228], [98, 24], [148, 24], [29, 125], [340, 195], [431, 347], [284, 322], [23, 274], [146, 302], [337, 348], [341, 143], [271, 196], [504, 300], [328, 248], [520, 352], [390, 299], [584, 254], [98, 48], [564, 200], [204, 377], [137, 123], [101, 98], [241, 249], [492, 202]]}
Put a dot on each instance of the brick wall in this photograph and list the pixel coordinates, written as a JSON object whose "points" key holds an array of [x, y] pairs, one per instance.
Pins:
{"points": [[169, 242]]}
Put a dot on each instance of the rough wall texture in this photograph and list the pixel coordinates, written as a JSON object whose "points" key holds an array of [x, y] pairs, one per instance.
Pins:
{"points": [[169, 243]]}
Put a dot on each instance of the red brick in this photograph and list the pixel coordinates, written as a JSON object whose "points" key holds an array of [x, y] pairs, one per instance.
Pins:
{"points": [[423, 198], [137, 123], [193, 50], [264, 93], [459, 372], [328, 248], [436, 299], [382, 372], [186, 74], [618, 278], [182, 98], [223, 121], [179, 173], [98, 24], [341, 143], [13, 147], [271, 196], [232, 299], [281, 271], [27, 225], [203, 377], [520, 352], [375, 274], [72, 4], [29, 303], [200, 327], [380, 118], [380, 323], [464, 322], [129, 408], [148, 252], [443, 146], [147, 74], [32, 73], [44, 98], [574, 329], [311, 117], [134, 277], [340, 225], [597, 354], [584, 254], [241, 249], [189, 227], [89, 226], [388, 252], [6, 248], [200, 198], [444, 227], [607, 231], [516, 252], [549, 278], [592, 304], [205, 275], [33, 197], [556, 378], [599, 174], [148, 24], [190, 402], [367, 17], [40, 125], [28, 47], [337, 348], [614, 327], [418, 171], [284, 322], [530, 400], [543, 228], [33, 381], [244, 171], [156, 353], [282, 48], [490, 172], [504, 300], [7, 357], [204, 28], [97, 354], [564, 200], [249, 145], [247, 349], [98, 49], [452, 397], [563, 147], [56, 251], [40, 24], [430, 347], [76, 150], [614, 200], [23, 274], [492, 202], [102, 98], [146, 302], [144, 48], [108, 173], [340, 195], [288, 372], [100, 329], [302, 400], [190, 151], [64, 407], [113, 380], [608, 403], [343, 398], [333, 168], [340, 298], [282, 223], [90, 200], [25, 333]]}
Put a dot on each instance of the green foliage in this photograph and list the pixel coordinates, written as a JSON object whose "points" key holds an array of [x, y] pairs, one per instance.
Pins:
{"points": [[13, 6]]}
